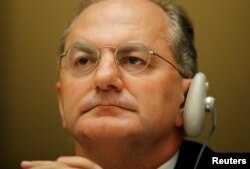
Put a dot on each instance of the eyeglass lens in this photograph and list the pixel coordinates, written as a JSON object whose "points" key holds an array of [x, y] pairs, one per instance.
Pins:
{"points": [[82, 58]]}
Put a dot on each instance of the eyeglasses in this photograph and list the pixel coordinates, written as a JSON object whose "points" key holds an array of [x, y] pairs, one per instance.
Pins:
{"points": [[81, 59]]}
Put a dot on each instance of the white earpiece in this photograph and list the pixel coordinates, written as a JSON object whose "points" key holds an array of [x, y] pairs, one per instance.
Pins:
{"points": [[197, 103]]}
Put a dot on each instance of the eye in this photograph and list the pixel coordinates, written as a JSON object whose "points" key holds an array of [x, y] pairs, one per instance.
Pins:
{"points": [[132, 63], [85, 61], [82, 61], [133, 60]]}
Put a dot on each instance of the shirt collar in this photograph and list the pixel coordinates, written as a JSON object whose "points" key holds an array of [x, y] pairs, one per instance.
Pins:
{"points": [[170, 164]]}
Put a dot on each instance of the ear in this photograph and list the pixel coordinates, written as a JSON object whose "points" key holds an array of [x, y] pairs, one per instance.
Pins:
{"points": [[60, 104], [185, 87]]}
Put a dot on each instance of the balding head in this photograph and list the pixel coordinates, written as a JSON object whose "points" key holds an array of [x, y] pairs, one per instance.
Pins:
{"points": [[179, 32]]}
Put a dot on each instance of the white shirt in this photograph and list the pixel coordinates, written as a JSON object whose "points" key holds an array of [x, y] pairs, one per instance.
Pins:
{"points": [[170, 164]]}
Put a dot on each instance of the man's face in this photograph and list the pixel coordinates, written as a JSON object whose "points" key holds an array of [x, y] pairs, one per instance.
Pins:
{"points": [[109, 103]]}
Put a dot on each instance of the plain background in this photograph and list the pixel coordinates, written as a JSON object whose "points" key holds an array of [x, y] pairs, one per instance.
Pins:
{"points": [[29, 36]]}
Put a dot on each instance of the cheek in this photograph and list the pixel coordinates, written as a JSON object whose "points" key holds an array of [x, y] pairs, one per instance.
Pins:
{"points": [[158, 103], [72, 94]]}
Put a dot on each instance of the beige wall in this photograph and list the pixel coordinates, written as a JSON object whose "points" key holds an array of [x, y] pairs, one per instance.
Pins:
{"points": [[30, 29]]}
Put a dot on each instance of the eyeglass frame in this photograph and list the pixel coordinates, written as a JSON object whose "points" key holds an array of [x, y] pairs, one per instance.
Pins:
{"points": [[151, 52]]}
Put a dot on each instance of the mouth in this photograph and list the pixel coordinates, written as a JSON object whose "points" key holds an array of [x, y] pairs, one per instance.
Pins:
{"points": [[108, 109], [108, 104]]}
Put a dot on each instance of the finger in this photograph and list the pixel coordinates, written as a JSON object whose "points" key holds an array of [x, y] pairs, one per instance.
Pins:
{"points": [[26, 164], [43, 165], [78, 162]]}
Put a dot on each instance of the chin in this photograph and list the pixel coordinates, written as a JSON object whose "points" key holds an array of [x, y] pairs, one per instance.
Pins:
{"points": [[108, 127]]}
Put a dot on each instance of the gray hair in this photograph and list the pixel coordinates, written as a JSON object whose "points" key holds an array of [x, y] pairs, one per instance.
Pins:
{"points": [[180, 35]]}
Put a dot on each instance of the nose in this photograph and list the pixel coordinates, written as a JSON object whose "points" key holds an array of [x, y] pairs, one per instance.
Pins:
{"points": [[107, 75]]}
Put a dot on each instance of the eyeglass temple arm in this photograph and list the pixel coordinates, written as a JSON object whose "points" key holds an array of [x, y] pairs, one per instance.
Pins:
{"points": [[175, 67], [60, 58]]}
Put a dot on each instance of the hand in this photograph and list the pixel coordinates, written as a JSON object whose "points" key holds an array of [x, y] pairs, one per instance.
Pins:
{"points": [[72, 162]]}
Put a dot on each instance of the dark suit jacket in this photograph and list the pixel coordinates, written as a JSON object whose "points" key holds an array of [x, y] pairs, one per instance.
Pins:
{"points": [[188, 154]]}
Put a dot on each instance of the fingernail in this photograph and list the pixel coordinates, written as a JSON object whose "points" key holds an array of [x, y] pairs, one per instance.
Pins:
{"points": [[26, 164]]}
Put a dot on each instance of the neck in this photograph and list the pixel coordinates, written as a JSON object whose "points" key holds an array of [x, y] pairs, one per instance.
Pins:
{"points": [[133, 155]]}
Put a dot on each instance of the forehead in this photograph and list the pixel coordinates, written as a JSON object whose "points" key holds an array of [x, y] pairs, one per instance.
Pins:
{"points": [[121, 17], [116, 9]]}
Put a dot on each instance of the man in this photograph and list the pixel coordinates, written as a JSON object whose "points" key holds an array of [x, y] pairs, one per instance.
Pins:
{"points": [[125, 69]]}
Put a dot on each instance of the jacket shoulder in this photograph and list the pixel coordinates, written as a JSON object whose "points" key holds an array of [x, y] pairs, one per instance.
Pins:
{"points": [[188, 155]]}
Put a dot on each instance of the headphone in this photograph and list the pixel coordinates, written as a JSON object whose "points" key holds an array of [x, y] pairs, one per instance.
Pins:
{"points": [[196, 105]]}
